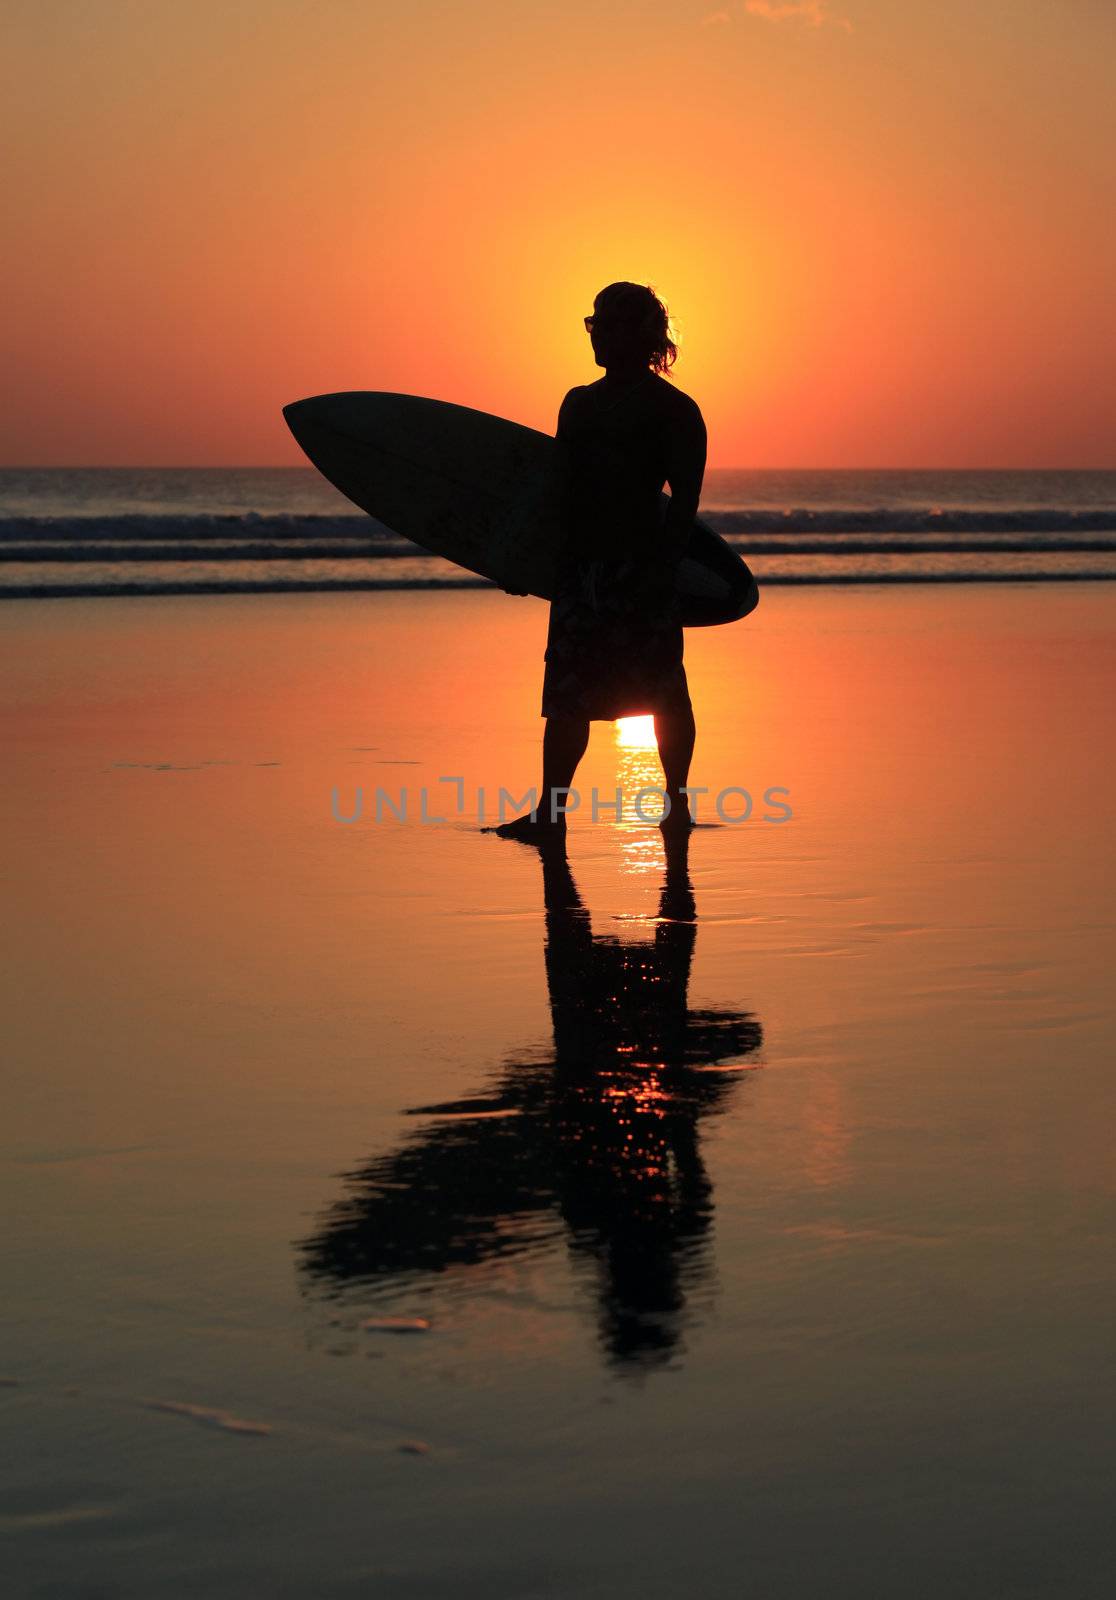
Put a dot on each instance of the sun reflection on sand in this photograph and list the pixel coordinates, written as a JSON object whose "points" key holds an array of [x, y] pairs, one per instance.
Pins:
{"points": [[637, 770]]}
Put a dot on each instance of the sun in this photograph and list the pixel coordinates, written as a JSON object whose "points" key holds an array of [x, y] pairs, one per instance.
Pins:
{"points": [[636, 733]]}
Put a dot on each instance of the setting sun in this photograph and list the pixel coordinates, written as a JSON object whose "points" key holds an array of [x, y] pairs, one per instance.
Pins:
{"points": [[308, 206], [635, 733]]}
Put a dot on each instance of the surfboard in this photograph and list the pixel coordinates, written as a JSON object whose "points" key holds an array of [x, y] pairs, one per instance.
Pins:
{"points": [[482, 492]]}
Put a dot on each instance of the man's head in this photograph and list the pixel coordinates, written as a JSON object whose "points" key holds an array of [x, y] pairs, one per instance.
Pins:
{"points": [[630, 326]]}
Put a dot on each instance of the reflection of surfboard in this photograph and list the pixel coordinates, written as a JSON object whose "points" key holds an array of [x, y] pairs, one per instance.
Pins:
{"points": [[480, 491]]}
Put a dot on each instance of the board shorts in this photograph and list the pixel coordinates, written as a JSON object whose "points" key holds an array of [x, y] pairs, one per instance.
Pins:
{"points": [[609, 652]]}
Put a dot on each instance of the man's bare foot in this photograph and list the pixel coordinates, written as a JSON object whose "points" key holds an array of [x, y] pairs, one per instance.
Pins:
{"points": [[677, 819], [531, 830]]}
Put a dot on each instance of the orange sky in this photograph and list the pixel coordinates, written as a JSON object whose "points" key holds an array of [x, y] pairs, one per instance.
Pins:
{"points": [[886, 227]]}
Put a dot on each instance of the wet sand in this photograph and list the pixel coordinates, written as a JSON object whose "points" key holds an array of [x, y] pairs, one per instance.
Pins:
{"points": [[394, 1212]]}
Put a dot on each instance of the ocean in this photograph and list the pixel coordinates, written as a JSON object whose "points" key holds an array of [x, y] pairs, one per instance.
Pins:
{"points": [[150, 530]]}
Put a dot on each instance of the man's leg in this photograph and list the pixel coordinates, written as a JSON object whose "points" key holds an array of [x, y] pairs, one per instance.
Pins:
{"points": [[675, 732], [564, 743]]}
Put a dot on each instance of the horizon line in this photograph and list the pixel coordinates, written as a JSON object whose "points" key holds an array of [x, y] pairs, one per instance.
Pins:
{"points": [[306, 466]]}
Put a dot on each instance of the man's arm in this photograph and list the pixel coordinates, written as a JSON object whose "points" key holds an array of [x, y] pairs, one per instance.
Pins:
{"points": [[567, 511], [686, 448], [568, 506]]}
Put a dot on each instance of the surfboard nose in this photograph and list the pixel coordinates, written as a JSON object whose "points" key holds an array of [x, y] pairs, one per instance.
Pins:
{"points": [[294, 409], [299, 416], [321, 424], [315, 411], [350, 415]]}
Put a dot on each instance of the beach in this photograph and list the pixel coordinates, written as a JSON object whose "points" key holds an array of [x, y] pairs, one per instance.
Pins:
{"points": [[328, 1275]]}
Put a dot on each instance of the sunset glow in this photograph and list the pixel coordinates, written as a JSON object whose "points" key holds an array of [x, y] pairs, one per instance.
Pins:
{"points": [[884, 231]]}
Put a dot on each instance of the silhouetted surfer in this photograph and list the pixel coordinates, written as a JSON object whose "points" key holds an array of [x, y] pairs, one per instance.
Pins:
{"points": [[614, 648]]}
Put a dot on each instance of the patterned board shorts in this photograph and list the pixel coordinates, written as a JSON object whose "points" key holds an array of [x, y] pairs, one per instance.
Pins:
{"points": [[609, 653]]}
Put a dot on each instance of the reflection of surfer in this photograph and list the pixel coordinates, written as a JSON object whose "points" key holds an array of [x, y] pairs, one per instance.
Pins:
{"points": [[614, 647], [603, 1134], [632, 1186]]}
